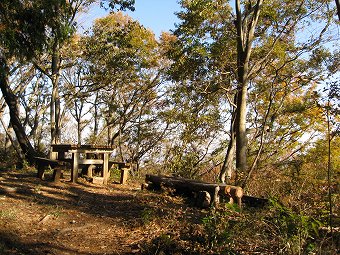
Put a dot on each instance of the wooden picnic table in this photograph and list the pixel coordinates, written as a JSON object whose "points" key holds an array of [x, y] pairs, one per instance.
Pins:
{"points": [[87, 154]]}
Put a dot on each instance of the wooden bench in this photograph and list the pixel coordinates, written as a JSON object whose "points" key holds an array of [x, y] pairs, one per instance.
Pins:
{"points": [[90, 168], [124, 170], [45, 163]]}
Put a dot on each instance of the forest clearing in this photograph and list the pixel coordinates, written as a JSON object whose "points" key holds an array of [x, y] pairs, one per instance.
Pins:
{"points": [[43, 217], [38, 217], [115, 140]]}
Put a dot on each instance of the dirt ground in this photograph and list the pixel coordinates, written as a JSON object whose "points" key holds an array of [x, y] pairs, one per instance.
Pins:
{"points": [[40, 217]]}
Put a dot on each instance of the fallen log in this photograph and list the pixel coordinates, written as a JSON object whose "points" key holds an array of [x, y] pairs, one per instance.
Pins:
{"points": [[179, 183], [204, 199], [205, 193], [234, 193]]}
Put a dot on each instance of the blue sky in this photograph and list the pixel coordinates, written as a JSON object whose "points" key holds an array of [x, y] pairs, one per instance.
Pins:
{"points": [[157, 15]]}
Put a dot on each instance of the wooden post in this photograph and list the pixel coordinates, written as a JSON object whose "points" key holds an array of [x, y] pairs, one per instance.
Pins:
{"points": [[41, 170], [106, 173], [90, 170], [124, 173], [75, 165], [56, 174], [53, 155]]}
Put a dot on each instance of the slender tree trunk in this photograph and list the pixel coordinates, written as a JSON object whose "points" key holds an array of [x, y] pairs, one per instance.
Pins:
{"points": [[96, 115], [227, 167], [240, 129], [329, 170], [79, 132], [245, 26], [10, 138], [338, 8], [55, 99], [11, 101]]}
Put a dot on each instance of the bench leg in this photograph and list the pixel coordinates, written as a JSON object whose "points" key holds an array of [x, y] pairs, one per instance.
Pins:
{"points": [[56, 174], [90, 170], [74, 169], [106, 170], [41, 171], [124, 172]]}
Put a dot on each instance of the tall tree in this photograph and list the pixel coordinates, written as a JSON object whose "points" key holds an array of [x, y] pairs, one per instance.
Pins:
{"points": [[63, 26], [22, 34], [124, 62], [26, 28], [255, 30], [337, 2], [246, 23]]}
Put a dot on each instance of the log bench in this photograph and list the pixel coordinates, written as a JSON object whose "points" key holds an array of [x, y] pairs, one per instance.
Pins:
{"points": [[205, 194], [202, 194], [45, 163]]}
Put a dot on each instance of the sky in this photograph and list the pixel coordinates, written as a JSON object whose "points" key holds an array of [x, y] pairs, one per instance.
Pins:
{"points": [[157, 15]]}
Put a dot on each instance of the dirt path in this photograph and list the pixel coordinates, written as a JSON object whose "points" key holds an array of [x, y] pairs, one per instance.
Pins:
{"points": [[39, 217]]}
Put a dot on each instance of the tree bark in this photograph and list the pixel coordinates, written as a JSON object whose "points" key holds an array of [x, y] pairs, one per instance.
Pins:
{"points": [[240, 129], [11, 140], [227, 167], [245, 26], [181, 183], [96, 115], [338, 8], [235, 194], [189, 186], [11, 101], [55, 99]]}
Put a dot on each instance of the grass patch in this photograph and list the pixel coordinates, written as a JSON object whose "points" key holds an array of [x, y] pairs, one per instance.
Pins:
{"points": [[8, 214], [56, 211]]}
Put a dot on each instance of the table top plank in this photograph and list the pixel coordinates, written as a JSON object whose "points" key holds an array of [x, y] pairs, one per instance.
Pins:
{"points": [[84, 148]]}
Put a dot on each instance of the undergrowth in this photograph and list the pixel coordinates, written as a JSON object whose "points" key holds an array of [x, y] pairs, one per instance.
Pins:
{"points": [[275, 229]]}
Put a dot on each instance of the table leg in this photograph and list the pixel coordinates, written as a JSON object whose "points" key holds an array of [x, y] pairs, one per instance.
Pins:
{"points": [[124, 173], [106, 173], [90, 170], [53, 155], [75, 166]]}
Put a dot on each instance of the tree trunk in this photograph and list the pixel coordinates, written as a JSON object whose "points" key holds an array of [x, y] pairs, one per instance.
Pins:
{"points": [[11, 102], [11, 140], [55, 99], [9, 136], [227, 167], [338, 8], [96, 115], [79, 132], [183, 184], [240, 128], [245, 26]]}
